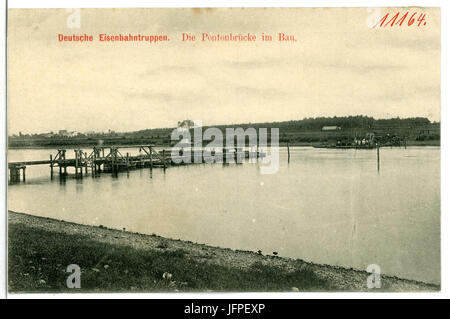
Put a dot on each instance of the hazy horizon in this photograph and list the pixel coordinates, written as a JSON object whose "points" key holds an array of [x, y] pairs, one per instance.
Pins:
{"points": [[338, 65]]}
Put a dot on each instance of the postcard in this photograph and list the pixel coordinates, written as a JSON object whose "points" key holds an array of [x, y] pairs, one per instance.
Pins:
{"points": [[224, 150]]}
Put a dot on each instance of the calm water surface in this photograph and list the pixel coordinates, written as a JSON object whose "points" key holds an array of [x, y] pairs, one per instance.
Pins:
{"points": [[325, 206]]}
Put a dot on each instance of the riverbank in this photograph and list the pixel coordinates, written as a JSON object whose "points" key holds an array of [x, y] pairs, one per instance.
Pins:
{"points": [[40, 249]]}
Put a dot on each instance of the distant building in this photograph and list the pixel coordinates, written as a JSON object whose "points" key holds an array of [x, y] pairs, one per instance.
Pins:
{"points": [[331, 128]]}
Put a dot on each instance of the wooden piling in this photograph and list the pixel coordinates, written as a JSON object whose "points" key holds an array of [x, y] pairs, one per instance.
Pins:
{"points": [[113, 162], [85, 163], [59, 162], [64, 158], [76, 163], [164, 158], [378, 157], [116, 161], [80, 163], [93, 163], [51, 166], [98, 166], [65, 166], [23, 171], [151, 158], [14, 174], [128, 162], [289, 153]]}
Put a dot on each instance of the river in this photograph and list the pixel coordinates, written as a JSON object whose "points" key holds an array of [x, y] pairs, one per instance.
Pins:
{"points": [[325, 206]]}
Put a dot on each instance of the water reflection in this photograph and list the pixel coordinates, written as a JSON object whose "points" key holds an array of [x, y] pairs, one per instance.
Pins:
{"points": [[325, 206]]}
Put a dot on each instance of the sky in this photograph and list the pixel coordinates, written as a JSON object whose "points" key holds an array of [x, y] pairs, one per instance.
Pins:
{"points": [[338, 66]]}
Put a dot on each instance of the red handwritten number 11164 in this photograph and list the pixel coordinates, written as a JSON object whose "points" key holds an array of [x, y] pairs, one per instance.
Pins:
{"points": [[412, 19]]}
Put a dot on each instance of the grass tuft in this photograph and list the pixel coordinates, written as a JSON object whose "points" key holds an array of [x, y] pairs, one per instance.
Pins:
{"points": [[38, 259]]}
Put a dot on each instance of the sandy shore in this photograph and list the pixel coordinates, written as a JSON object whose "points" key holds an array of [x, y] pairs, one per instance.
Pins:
{"points": [[246, 265]]}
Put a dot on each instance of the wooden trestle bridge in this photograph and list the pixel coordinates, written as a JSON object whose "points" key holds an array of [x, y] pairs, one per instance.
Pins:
{"points": [[109, 159]]}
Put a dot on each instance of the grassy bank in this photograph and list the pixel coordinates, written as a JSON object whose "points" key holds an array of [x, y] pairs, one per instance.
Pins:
{"points": [[40, 249]]}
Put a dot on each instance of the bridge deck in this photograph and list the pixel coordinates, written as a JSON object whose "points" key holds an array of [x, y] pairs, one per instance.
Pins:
{"points": [[29, 163], [115, 161]]}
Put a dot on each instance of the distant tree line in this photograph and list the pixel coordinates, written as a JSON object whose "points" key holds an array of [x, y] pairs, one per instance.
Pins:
{"points": [[305, 130], [347, 122]]}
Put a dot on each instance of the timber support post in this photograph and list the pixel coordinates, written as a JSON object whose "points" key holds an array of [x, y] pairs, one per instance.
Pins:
{"points": [[289, 153], [164, 158], [85, 163], [128, 162], [378, 158], [63, 154], [76, 163], [51, 166], [151, 158], [113, 162], [60, 167], [14, 174], [94, 163], [99, 166]]}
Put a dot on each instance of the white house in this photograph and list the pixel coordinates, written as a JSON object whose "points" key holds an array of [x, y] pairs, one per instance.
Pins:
{"points": [[331, 128]]}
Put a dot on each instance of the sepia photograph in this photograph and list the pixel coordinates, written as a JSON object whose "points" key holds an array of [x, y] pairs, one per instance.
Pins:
{"points": [[211, 150]]}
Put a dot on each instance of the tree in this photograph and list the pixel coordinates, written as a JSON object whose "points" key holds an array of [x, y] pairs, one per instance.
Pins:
{"points": [[188, 124]]}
